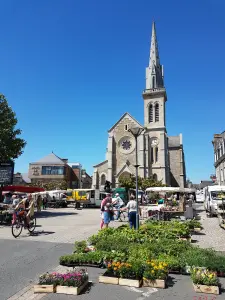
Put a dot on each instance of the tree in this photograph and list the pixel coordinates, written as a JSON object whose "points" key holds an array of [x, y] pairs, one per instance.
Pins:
{"points": [[11, 146], [51, 185], [143, 183]]}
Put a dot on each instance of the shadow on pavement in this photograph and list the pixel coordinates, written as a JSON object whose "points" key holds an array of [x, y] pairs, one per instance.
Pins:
{"points": [[88, 287], [41, 233], [52, 214], [171, 281]]}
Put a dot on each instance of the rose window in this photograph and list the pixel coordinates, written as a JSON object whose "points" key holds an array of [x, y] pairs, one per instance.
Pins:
{"points": [[126, 145]]}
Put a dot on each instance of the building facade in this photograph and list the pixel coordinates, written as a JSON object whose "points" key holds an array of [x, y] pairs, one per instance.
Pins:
{"points": [[159, 156], [219, 157]]}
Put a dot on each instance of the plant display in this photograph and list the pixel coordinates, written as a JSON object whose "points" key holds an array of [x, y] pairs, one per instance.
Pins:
{"points": [[204, 277], [155, 240], [125, 270], [82, 258], [74, 279], [155, 270], [47, 279]]}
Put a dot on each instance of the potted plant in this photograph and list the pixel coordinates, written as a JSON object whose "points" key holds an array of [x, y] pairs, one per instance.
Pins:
{"points": [[130, 274], [205, 281], [47, 283], [111, 275], [155, 274], [71, 283]]}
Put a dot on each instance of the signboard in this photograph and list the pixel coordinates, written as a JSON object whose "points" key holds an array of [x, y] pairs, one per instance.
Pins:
{"points": [[6, 172]]}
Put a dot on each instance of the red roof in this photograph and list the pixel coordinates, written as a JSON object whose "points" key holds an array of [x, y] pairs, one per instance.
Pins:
{"points": [[24, 189]]}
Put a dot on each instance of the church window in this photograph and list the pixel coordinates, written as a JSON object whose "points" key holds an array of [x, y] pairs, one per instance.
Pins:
{"points": [[156, 154], [150, 113], [126, 145], [157, 112], [155, 177], [126, 127], [103, 179], [153, 82], [152, 155]]}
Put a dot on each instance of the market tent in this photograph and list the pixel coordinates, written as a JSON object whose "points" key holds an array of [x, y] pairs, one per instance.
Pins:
{"points": [[23, 189]]}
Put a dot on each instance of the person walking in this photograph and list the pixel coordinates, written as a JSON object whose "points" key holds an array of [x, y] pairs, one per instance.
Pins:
{"points": [[107, 209], [132, 211], [39, 203]]}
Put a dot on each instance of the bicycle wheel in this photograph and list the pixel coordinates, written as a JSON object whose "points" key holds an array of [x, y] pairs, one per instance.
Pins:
{"points": [[32, 225], [124, 217], [17, 229]]}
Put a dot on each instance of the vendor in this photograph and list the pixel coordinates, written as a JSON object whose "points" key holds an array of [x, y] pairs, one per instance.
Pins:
{"points": [[161, 200]]}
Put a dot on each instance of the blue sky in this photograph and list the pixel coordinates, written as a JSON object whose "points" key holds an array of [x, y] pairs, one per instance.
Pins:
{"points": [[71, 68]]}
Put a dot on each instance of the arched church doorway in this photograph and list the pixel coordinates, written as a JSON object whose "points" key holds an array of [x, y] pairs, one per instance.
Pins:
{"points": [[155, 177]]}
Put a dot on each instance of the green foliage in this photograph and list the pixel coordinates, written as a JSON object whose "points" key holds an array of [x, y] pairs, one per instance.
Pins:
{"points": [[204, 277], [51, 185], [143, 183], [79, 247], [94, 257], [11, 146]]}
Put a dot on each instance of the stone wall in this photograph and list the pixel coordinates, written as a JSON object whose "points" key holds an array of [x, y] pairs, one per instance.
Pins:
{"points": [[174, 155]]}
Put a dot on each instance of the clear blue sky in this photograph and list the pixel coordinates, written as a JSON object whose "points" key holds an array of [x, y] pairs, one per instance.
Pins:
{"points": [[71, 68]]}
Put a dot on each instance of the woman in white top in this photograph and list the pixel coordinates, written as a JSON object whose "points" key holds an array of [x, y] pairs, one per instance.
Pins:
{"points": [[132, 210]]}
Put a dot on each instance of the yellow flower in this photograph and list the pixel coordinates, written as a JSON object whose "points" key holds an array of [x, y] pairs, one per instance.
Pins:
{"points": [[115, 269], [109, 265], [153, 272]]}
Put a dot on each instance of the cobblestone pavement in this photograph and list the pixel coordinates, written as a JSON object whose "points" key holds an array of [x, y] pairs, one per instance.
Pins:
{"points": [[60, 228], [212, 235]]}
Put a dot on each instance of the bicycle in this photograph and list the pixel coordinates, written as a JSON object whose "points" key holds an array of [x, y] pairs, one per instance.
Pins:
{"points": [[21, 223], [123, 216]]}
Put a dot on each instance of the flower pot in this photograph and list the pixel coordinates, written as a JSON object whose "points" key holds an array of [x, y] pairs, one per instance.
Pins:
{"points": [[197, 229], [70, 290], [199, 288], [105, 278], [157, 283], [130, 282], [45, 288]]}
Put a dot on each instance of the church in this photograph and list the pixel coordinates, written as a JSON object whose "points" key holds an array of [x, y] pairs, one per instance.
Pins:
{"points": [[160, 156]]}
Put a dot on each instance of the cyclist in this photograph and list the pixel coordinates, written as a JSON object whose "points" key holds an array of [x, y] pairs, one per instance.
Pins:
{"points": [[27, 208], [118, 203]]}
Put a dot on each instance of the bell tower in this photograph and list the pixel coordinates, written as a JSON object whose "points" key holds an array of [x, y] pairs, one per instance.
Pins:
{"points": [[155, 98]]}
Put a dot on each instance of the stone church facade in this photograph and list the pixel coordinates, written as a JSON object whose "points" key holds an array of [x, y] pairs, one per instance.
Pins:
{"points": [[159, 156]]}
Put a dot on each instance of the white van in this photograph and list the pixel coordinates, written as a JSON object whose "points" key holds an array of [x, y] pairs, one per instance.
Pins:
{"points": [[214, 199]]}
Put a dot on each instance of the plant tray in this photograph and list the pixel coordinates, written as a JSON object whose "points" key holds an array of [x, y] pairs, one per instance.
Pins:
{"points": [[186, 239], [197, 229], [158, 283], [81, 264], [70, 290], [39, 288], [130, 282], [206, 289], [108, 279]]}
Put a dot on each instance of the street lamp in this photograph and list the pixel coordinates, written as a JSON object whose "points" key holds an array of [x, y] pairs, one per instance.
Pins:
{"points": [[136, 131]]}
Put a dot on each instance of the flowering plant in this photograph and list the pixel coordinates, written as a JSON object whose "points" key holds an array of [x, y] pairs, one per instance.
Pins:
{"points": [[204, 276], [47, 279], [124, 270], [155, 270], [75, 278]]}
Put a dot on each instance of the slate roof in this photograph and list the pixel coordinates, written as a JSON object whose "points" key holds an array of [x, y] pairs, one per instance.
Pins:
{"points": [[51, 159]]}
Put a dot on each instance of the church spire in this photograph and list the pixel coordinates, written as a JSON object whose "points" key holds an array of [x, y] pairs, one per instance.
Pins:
{"points": [[154, 72]]}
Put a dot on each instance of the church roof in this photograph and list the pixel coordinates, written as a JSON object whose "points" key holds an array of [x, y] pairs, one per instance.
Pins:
{"points": [[50, 159], [123, 116], [102, 163], [174, 141]]}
